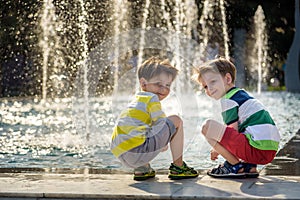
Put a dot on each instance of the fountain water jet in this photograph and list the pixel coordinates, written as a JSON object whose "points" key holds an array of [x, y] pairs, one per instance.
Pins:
{"points": [[211, 40], [120, 24], [51, 46], [143, 27], [83, 35], [47, 26], [225, 30], [259, 54]]}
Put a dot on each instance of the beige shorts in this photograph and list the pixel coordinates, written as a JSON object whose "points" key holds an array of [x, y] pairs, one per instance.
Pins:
{"points": [[146, 152]]}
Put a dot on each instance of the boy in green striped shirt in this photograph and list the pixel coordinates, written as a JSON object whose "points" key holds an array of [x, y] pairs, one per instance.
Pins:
{"points": [[249, 136], [143, 130]]}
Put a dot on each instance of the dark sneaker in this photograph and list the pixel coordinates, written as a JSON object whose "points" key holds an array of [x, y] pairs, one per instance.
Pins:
{"points": [[247, 169], [227, 170], [182, 172], [143, 173]]}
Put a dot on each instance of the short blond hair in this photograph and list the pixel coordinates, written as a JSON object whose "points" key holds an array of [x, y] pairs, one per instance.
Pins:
{"points": [[155, 66], [219, 65]]}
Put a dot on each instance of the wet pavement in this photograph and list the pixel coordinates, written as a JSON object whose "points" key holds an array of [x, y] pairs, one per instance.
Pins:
{"points": [[278, 180], [121, 186], [287, 160]]}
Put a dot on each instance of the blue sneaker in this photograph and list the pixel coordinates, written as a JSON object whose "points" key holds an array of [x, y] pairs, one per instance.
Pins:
{"points": [[227, 170]]}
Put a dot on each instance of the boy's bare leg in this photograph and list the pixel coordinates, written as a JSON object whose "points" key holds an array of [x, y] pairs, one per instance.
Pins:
{"points": [[176, 143], [229, 157], [226, 154], [214, 132]]}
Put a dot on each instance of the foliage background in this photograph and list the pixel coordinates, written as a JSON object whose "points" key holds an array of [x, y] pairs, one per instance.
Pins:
{"points": [[20, 72]]}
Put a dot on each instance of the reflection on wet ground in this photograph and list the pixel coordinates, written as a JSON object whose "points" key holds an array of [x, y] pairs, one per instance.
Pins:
{"points": [[286, 163], [287, 160], [62, 170]]}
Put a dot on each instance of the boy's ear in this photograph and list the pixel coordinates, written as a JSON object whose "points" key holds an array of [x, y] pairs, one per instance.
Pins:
{"points": [[228, 78], [143, 83]]}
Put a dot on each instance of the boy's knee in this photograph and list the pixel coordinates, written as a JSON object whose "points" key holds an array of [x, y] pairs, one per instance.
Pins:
{"points": [[213, 129], [205, 126], [177, 121]]}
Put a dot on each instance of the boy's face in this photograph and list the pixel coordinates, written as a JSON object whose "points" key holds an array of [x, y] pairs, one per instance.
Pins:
{"points": [[159, 85], [215, 85]]}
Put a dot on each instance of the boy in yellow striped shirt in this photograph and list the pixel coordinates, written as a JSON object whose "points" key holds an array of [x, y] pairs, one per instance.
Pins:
{"points": [[143, 130]]}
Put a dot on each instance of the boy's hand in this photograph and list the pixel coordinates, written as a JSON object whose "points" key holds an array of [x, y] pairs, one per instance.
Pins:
{"points": [[213, 154]]}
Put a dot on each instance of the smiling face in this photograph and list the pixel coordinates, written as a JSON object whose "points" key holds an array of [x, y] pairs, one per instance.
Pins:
{"points": [[159, 85], [216, 85]]}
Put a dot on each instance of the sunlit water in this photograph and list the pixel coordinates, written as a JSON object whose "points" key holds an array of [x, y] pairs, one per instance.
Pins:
{"points": [[36, 134]]}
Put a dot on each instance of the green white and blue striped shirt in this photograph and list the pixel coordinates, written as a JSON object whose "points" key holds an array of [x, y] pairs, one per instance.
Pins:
{"points": [[253, 119]]}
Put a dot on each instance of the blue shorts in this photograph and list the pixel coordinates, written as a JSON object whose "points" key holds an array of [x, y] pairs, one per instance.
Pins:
{"points": [[146, 152]]}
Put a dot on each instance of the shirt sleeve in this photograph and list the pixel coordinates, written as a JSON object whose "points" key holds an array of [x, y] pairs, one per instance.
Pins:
{"points": [[155, 110], [230, 111]]}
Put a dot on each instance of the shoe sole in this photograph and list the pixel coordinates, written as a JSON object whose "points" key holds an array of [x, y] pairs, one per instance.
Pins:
{"points": [[142, 178], [181, 177], [252, 175], [240, 175]]}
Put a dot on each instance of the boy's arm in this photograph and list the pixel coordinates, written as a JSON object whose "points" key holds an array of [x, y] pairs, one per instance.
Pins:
{"points": [[155, 110]]}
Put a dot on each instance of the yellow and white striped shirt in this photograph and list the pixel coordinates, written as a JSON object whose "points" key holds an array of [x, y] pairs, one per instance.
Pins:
{"points": [[142, 117]]}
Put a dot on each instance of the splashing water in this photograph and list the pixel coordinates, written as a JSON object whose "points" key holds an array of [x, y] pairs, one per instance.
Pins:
{"points": [[74, 132], [43, 136]]}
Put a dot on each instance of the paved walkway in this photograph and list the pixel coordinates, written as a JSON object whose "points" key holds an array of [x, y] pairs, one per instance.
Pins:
{"points": [[269, 185], [121, 186]]}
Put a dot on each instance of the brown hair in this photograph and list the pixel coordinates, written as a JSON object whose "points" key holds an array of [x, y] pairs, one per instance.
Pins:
{"points": [[155, 66], [219, 65]]}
